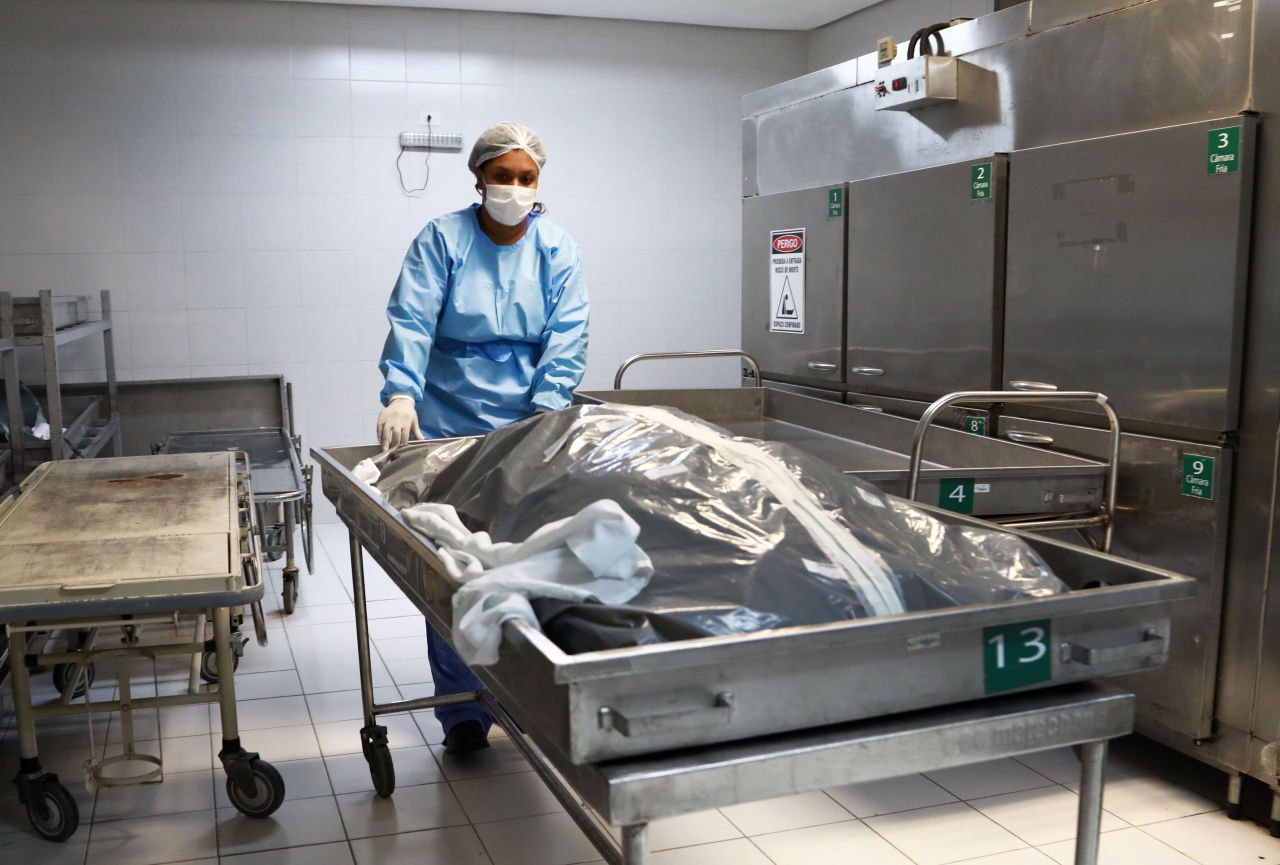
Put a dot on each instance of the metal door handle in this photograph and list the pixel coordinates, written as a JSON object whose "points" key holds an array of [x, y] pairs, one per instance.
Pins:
{"points": [[870, 408], [1026, 438], [866, 370], [820, 366], [685, 712], [1151, 646], [1032, 385]]}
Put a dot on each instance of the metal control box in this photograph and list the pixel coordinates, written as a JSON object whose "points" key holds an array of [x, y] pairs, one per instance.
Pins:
{"points": [[916, 83]]}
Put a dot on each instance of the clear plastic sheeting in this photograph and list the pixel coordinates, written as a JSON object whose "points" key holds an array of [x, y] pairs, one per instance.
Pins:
{"points": [[743, 535]]}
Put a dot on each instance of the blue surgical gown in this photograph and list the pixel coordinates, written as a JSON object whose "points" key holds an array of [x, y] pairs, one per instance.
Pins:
{"points": [[483, 335]]}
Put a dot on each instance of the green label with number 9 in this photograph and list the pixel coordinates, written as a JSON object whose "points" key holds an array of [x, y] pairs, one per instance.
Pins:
{"points": [[956, 494], [1014, 656]]}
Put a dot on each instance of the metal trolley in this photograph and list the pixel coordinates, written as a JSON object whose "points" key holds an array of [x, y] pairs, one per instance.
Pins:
{"points": [[646, 732], [127, 543], [281, 490]]}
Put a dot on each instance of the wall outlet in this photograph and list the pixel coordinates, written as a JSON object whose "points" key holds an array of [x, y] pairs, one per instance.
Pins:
{"points": [[436, 141]]}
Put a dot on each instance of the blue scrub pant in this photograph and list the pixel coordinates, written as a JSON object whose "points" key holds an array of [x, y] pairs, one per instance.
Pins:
{"points": [[452, 676]]}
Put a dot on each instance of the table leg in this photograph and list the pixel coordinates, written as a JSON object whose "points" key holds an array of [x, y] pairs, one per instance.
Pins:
{"points": [[1093, 762], [635, 847]]}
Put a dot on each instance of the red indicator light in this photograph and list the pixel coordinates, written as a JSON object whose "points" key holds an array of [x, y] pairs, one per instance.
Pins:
{"points": [[899, 84]]}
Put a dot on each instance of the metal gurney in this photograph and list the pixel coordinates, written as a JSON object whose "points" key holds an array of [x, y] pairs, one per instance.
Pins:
{"points": [[281, 489], [127, 543], [635, 705]]}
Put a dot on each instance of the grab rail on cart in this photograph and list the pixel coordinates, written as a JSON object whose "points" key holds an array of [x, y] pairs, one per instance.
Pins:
{"points": [[680, 355], [251, 552], [1106, 518]]}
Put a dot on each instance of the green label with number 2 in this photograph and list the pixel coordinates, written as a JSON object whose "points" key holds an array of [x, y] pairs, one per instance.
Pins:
{"points": [[1014, 656], [956, 494], [980, 181]]}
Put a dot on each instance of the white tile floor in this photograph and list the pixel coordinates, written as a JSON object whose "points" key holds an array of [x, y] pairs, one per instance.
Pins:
{"points": [[299, 708]]}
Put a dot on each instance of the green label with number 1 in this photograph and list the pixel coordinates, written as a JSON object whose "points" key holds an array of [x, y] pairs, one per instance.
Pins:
{"points": [[1014, 656], [1224, 150]]}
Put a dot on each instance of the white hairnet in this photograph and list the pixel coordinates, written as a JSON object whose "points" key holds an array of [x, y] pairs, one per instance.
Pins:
{"points": [[504, 138]]}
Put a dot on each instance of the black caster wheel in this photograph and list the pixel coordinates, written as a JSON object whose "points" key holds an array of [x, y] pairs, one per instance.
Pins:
{"points": [[52, 811], [290, 594], [209, 666], [382, 769], [65, 674], [265, 797]]}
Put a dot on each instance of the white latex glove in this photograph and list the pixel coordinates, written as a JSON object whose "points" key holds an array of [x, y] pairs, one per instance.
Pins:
{"points": [[398, 422]]}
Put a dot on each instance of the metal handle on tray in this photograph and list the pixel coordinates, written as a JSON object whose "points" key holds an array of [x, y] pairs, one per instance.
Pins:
{"points": [[680, 355], [819, 366], [668, 714], [1041, 386], [1106, 519], [1026, 438], [1151, 646]]}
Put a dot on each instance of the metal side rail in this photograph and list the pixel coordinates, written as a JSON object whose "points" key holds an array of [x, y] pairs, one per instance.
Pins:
{"points": [[681, 355], [1105, 519]]}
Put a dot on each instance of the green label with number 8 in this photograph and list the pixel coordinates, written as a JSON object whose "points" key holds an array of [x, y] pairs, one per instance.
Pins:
{"points": [[956, 494], [976, 424], [1014, 656]]}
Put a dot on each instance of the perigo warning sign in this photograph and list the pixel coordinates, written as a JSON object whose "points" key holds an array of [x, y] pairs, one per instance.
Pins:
{"points": [[786, 281]]}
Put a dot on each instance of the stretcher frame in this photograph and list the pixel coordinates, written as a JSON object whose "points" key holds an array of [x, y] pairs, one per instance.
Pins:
{"points": [[32, 605]]}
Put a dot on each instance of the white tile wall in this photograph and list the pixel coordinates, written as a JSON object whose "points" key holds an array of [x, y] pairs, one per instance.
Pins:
{"points": [[228, 166]]}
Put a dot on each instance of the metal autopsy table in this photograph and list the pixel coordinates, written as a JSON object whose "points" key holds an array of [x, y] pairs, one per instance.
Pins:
{"points": [[125, 543], [281, 489], [607, 721], [1005, 481]]}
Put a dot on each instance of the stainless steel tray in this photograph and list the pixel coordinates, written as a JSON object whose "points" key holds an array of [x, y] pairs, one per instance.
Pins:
{"points": [[1008, 479], [129, 534], [602, 705]]}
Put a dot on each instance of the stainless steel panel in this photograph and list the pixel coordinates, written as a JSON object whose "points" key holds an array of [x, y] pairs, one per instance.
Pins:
{"points": [[1047, 14], [1157, 525], [1060, 85], [815, 357], [925, 281], [814, 392], [809, 86], [1127, 265], [784, 679]]}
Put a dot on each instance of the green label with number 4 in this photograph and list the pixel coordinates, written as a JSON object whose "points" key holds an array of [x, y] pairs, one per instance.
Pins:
{"points": [[976, 424], [956, 494], [1224, 150], [1014, 656], [980, 181]]}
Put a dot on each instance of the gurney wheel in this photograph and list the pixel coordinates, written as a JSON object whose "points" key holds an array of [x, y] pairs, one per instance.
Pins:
{"points": [[268, 791], [53, 812], [382, 769], [290, 594], [65, 674], [209, 666]]}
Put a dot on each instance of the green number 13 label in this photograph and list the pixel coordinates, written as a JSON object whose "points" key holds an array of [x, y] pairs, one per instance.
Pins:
{"points": [[1014, 656]]}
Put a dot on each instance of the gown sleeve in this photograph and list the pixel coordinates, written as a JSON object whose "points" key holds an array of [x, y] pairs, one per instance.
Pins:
{"points": [[413, 312], [563, 358]]}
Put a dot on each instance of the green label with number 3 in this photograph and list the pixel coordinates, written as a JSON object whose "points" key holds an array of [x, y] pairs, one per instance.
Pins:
{"points": [[956, 494], [1224, 150], [1014, 656]]}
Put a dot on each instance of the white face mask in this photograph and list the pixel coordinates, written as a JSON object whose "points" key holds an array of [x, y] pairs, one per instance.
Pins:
{"points": [[509, 204]]}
